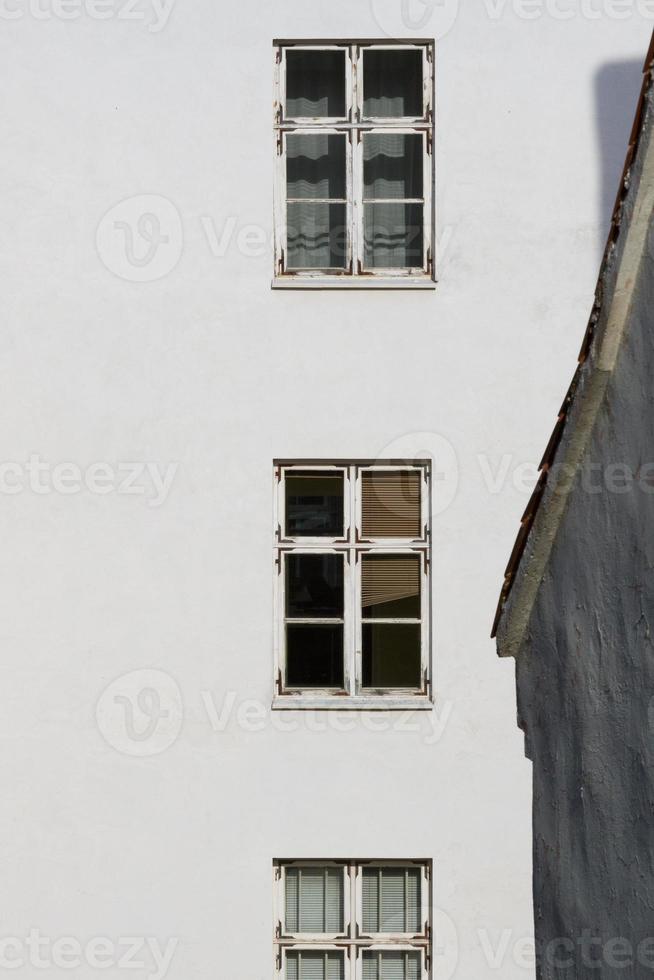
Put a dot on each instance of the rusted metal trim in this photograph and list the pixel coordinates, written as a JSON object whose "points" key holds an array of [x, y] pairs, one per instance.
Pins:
{"points": [[348, 42], [322, 461]]}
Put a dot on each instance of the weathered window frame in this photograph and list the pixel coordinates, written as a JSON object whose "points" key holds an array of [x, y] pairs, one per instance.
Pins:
{"points": [[353, 941], [304, 937], [352, 545], [353, 125]]}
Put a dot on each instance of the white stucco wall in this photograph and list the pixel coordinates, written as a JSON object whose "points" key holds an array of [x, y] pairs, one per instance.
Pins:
{"points": [[209, 370]]}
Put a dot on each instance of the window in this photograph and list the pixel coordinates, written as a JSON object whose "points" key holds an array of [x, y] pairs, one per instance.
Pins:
{"points": [[354, 163], [352, 920], [352, 548]]}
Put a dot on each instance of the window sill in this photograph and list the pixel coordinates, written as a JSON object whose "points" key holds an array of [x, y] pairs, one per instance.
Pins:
{"points": [[337, 702], [350, 282]]}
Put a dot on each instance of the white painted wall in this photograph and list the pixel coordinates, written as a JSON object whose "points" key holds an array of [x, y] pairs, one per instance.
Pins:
{"points": [[208, 369]]}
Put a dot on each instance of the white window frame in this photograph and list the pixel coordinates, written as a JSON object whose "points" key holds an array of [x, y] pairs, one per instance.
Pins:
{"points": [[321, 121], [353, 125], [427, 82], [380, 937], [353, 941], [352, 545], [389, 273], [303, 937], [317, 693]]}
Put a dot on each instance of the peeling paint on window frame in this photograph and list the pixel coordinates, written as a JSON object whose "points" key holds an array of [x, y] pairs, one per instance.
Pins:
{"points": [[353, 940], [352, 545], [353, 125]]}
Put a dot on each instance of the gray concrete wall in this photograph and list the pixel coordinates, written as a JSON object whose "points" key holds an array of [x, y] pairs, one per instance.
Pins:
{"points": [[585, 687]]}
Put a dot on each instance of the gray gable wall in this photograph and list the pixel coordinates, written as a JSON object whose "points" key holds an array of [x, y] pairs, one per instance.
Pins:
{"points": [[585, 680]]}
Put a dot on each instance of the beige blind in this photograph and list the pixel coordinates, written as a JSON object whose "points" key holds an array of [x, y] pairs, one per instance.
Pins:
{"points": [[387, 578], [390, 504]]}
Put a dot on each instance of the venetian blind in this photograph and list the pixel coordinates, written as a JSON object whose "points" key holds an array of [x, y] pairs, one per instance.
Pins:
{"points": [[387, 578], [314, 900], [391, 900], [391, 966], [390, 504], [318, 965]]}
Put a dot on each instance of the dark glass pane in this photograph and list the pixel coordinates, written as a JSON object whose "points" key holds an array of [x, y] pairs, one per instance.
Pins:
{"points": [[314, 504], [314, 586], [315, 165], [315, 84], [316, 236], [392, 165], [393, 236], [390, 586], [314, 655], [392, 84], [391, 655]]}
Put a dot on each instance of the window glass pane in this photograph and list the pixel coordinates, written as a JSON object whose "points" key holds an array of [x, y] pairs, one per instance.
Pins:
{"points": [[316, 232], [315, 84], [392, 900], [393, 236], [314, 965], [316, 235], [314, 586], [398, 909], [334, 900], [390, 586], [392, 165], [413, 910], [291, 966], [370, 965], [390, 504], [370, 900], [393, 965], [391, 655], [314, 504], [314, 900], [412, 966], [315, 165], [291, 899], [392, 84], [334, 966], [314, 655]]}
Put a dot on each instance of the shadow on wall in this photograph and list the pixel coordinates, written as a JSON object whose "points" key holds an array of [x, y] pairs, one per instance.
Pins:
{"points": [[617, 86]]}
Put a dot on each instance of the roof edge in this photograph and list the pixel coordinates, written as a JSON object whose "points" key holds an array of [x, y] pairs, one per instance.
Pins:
{"points": [[564, 454]]}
